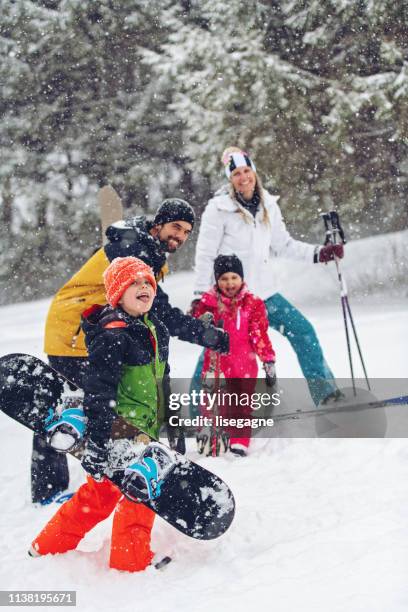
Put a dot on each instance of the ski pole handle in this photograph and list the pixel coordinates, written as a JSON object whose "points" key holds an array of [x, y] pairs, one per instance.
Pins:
{"points": [[337, 228], [333, 227], [327, 226]]}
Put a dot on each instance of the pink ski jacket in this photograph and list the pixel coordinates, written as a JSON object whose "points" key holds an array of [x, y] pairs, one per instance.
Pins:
{"points": [[244, 318]]}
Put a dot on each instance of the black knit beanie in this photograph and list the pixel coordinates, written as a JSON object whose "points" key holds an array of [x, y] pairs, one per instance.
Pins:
{"points": [[227, 263], [174, 209]]}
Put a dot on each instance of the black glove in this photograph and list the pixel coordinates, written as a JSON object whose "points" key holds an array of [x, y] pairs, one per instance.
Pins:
{"points": [[176, 438], [95, 459], [270, 373], [216, 339]]}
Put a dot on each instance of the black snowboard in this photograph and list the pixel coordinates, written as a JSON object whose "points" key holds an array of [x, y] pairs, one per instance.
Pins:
{"points": [[186, 495]]}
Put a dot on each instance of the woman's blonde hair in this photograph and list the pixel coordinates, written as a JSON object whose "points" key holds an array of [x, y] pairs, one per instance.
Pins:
{"points": [[224, 159]]}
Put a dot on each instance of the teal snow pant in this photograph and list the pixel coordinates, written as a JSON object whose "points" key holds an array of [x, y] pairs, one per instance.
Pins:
{"points": [[290, 322]]}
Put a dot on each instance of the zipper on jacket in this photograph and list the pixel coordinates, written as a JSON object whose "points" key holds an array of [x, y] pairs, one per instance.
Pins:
{"points": [[239, 318]]}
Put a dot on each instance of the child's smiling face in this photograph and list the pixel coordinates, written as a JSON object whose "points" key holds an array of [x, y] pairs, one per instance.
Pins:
{"points": [[229, 284], [138, 298]]}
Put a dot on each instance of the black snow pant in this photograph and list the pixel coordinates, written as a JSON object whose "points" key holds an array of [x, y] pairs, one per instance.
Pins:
{"points": [[49, 469]]}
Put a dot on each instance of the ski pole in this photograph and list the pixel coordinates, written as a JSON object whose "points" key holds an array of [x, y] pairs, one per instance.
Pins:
{"points": [[338, 230], [327, 219], [357, 343], [215, 432], [333, 231], [215, 367]]}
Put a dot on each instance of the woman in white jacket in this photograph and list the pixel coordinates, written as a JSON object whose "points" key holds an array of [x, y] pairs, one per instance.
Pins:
{"points": [[246, 220]]}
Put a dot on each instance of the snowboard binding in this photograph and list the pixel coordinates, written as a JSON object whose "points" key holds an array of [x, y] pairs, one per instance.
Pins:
{"points": [[145, 477], [65, 428]]}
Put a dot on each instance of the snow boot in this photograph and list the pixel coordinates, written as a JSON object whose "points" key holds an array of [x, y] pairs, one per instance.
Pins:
{"points": [[238, 450], [332, 398]]}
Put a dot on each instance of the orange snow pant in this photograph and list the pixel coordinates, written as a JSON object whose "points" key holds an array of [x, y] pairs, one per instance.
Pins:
{"points": [[92, 503]]}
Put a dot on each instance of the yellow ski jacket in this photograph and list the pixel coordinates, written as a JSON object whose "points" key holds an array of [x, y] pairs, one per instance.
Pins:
{"points": [[63, 334]]}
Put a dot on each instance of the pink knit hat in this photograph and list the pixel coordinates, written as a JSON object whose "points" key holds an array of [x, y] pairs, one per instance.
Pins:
{"points": [[121, 273]]}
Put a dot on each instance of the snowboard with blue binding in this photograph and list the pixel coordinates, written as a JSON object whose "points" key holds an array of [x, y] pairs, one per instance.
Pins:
{"points": [[192, 499]]}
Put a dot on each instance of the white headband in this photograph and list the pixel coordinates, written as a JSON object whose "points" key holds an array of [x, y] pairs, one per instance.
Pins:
{"points": [[235, 160]]}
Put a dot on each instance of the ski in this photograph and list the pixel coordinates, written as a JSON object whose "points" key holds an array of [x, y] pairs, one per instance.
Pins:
{"points": [[110, 208], [298, 414]]}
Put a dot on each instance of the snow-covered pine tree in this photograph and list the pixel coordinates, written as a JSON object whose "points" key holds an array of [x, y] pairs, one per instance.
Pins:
{"points": [[146, 96], [78, 108], [360, 49], [307, 87]]}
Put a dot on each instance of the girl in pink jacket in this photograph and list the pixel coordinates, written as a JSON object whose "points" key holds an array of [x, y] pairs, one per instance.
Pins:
{"points": [[244, 317]]}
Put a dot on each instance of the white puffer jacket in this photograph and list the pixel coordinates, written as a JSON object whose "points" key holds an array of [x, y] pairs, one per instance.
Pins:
{"points": [[224, 231]]}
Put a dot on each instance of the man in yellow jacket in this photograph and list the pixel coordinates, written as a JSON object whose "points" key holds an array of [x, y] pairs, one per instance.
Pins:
{"points": [[64, 339]]}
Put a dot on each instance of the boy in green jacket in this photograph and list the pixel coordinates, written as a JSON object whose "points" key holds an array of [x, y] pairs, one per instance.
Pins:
{"points": [[128, 351]]}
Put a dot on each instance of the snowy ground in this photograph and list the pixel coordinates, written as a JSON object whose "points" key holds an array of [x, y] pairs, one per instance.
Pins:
{"points": [[321, 524]]}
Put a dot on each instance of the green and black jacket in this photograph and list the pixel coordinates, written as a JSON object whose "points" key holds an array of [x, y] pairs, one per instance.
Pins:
{"points": [[128, 371]]}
